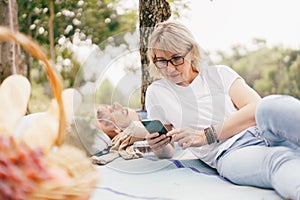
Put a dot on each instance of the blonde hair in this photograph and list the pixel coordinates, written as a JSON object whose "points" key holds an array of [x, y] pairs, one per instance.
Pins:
{"points": [[174, 37]]}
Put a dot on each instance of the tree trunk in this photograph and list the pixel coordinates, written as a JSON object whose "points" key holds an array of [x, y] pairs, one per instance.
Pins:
{"points": [[51, 30], [150, 13], [10, 53]]}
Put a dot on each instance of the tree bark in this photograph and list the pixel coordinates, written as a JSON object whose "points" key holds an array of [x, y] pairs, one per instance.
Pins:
{"points": [[150, 13], [51, 30], [10, 53]]}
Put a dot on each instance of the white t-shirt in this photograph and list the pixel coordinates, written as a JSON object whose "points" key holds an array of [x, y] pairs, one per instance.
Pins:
{"points": [[204, 102]]}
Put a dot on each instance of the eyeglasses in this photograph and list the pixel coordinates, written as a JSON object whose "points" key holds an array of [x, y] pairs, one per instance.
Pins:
{"points": [[176, 61]]}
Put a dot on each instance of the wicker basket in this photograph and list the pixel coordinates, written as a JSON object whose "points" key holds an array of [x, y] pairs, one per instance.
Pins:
{"points": [[82, 176]]}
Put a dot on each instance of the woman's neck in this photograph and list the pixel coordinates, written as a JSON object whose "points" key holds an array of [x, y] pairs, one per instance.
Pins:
{"points": [[187, 82]]}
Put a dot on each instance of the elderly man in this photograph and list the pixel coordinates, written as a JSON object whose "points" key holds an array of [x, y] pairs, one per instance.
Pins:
{"points": [[115, 118], [123, 126]]}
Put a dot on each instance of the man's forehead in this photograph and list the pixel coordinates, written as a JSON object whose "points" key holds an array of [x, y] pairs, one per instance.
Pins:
{"points": [[103, 106]]}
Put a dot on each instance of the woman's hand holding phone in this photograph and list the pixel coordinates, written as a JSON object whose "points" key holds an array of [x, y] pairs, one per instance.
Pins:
{"points": [[153, 126], [187, 137], [157, 141], [157, 138]]}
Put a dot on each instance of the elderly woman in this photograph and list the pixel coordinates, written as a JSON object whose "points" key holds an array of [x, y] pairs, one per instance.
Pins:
{"points": [[221, 119]]}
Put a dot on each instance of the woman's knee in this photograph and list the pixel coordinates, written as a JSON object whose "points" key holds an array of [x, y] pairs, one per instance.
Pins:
{"points": [[275, 106], [266, 105]]}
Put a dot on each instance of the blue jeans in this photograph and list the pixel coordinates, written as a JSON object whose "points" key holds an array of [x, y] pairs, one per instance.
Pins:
{"points": [[268, 156]]}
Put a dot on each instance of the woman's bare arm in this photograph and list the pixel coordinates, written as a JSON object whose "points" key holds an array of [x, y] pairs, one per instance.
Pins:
{"points": [[246, 100]]}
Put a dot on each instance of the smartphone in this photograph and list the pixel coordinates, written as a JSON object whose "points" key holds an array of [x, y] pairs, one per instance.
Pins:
{"points": [[154, 126]]}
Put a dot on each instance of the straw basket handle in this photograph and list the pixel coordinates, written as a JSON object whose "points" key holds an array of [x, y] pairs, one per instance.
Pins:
{"points": [[34, 49]]}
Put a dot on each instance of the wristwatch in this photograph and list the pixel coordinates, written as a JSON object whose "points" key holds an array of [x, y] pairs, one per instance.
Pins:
{"points": [[211, 135]]}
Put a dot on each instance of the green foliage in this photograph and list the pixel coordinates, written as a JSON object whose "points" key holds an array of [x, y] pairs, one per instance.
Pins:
{"points": [[67, 65], [267, 70], [135, 100], [39, 100], [96, 20], [178, 7], [33, 19], [108, 94]]}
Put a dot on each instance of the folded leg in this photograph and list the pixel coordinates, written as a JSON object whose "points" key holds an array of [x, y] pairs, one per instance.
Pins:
{"points": [[278, 118]]}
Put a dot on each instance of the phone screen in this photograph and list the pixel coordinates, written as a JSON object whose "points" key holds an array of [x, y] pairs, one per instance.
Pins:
{"points": [[154, 126]]}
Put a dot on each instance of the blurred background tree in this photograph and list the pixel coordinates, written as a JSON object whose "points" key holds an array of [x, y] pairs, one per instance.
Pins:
{"points": [[268, 70], [10, 54], [94, 20], [150, 13], [97, 20]]}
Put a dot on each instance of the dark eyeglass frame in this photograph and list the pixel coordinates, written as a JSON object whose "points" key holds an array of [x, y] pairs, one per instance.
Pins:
{"points": [[174, 61]]}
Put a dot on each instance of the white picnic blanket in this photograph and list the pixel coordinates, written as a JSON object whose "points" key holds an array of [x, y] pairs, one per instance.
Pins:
{"points": [[182, 177]]}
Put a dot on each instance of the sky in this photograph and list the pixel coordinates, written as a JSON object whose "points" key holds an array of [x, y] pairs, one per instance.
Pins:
{"points": [[219, 24]]}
